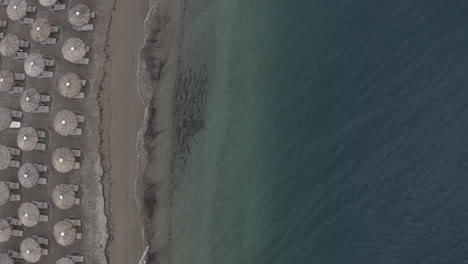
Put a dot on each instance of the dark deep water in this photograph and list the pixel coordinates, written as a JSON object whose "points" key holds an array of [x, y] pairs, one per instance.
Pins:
{"points": [[336, 132]]}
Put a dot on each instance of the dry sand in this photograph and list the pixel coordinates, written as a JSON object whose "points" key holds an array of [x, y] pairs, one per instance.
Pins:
{"points": [[122, 115]]}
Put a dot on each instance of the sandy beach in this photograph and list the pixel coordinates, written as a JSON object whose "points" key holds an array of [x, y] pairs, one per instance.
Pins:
{"points": [[122, 115]]}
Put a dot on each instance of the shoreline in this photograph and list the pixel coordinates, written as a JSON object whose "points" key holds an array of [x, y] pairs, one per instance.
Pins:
{"points": [[119, 130]]}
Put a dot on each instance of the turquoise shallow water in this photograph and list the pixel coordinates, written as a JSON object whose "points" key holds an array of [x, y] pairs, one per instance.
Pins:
{"points": [[335, 132]]}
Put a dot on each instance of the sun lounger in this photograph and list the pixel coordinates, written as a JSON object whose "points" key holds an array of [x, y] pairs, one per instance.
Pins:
{"points": [[45, 98], [49, 41], [76, 166], [75, 187], [42, 109], [26, 20], [31, 9], [17, 233], [49, 63], [75, 221], [77, 201], [3, 23], [76, 258], [42, 181], [78, 236], [14, 254], [83, 61], [46, 74], [15, 164], [76, 152], [80, 95], [15, 124], [41, 205], [41, 134], [88, 27], [17, 90], [57, 7], [43, 218], [40, 167], [24, 44], [16, 114], [80, 118], [20, 55], [13, 185], [15, 198], [40, 146], [20, 76], [1, 35], [14, 221], [45, 252], [93, 14], [41, 240], [54, 29], [77, 132], [14, 151], [4, 2]]}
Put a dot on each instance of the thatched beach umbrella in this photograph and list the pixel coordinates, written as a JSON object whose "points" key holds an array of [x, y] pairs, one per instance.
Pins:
{"points": [[5, 157], [9, 45], [4, 193], [63, 196], [5, 118], [17, 9], [30, 250], [47, 2], [79, 15], [65, 122], [74, 49], [5, 231], [63, 160], [28, 175], [69, 85], [27, 138], [5, 259], [64, 233], [34, 64], [7, 80], [30, 100], [28, 213], [65, 261], [40, 30]]}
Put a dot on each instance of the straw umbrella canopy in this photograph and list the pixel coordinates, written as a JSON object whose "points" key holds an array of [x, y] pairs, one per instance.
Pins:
{"points": [[5, 157], [30, 250], [74, 49], [34, 64], [27, 138], [65, 261], [30, 100], [63, 160], [17, 9], [5, 118], [63, 196], [28, 213], [65, 122], [79, 15], [28, 175], [4, 193], [47, 2], [5, 231], [7, 80], [64, 233], [69, 85], [9, 45], [5, 259], [40, 30]]}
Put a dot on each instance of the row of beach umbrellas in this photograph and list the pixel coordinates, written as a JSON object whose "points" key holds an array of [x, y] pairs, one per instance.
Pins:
{"points": [[79, 15], [69, 85], [73, 50], [5, 259]]}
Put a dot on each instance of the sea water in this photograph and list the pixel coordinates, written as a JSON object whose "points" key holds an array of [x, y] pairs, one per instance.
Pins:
{"points": [[327, 132]]}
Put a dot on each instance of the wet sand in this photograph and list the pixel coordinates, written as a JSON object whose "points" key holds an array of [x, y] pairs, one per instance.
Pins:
{"points": [[122, 115]]}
